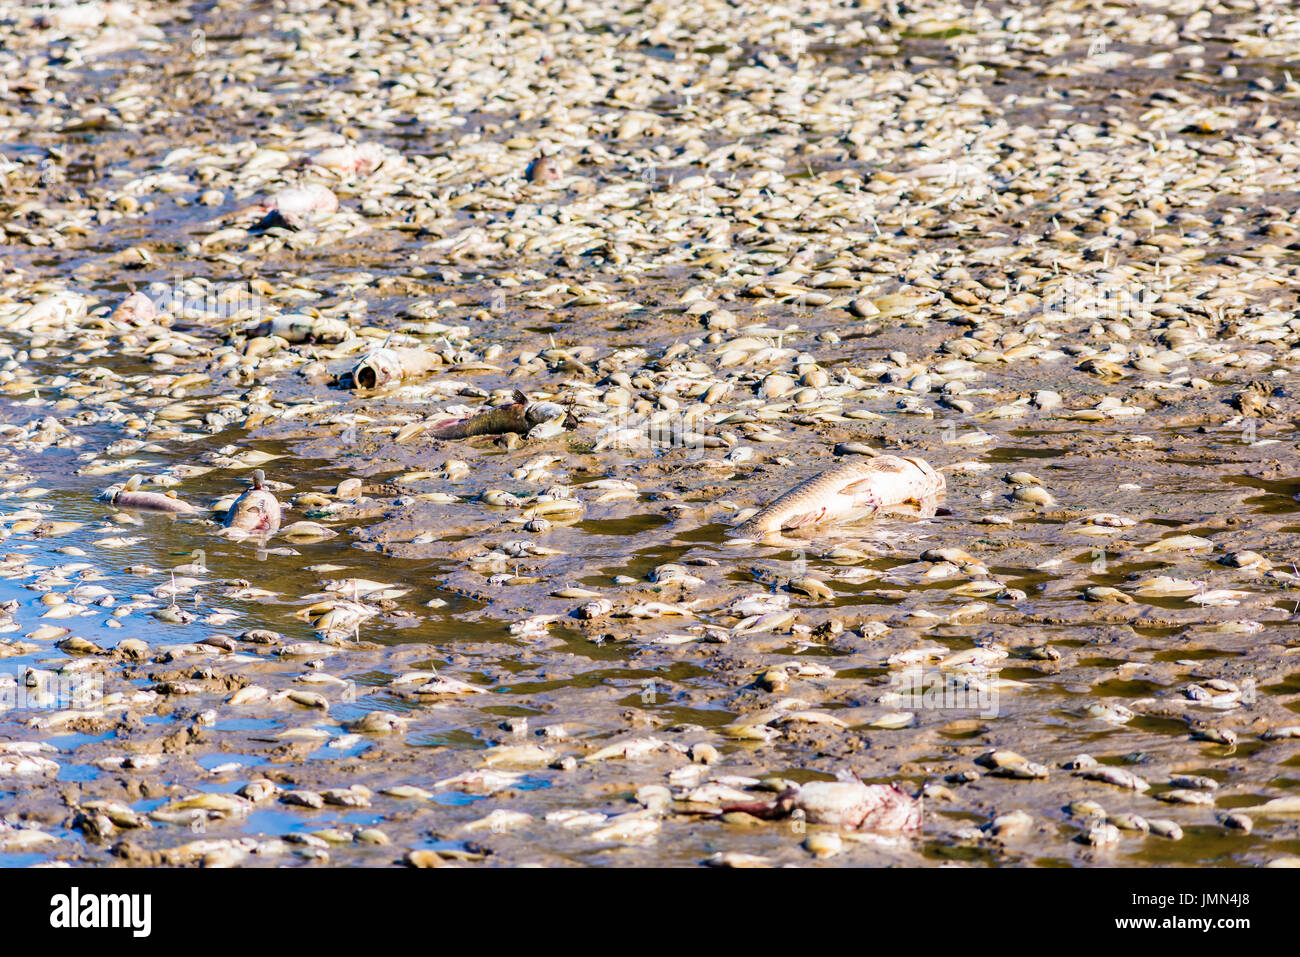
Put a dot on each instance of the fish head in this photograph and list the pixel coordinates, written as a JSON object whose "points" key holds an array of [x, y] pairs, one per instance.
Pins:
{"points": [[109, 494], [538, 412]]}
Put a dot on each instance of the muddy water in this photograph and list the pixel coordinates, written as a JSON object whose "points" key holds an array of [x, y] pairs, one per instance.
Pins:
{"points": [[594, 680], [1179, 680]]}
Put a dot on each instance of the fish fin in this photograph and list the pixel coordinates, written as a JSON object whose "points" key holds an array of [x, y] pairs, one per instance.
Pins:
{"points": [[804, 518], [863, 486], [863, 493]]}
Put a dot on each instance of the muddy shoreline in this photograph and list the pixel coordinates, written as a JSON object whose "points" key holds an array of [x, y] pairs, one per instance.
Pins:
{"points": [[1062, 269]]}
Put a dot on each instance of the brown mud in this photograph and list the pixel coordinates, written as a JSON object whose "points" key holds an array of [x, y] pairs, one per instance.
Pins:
{"points": [[562, 632]]}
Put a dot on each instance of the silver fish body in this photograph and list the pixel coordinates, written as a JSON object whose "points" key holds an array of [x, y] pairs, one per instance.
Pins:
{"points": [[847, 492], [145, 501]]}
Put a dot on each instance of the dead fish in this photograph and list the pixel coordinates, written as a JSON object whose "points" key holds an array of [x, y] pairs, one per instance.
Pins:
{"points": [[544, 170], [302, 328], [845, 493], [847, 804], [379, 367], [520, 416], [360, 160], [136, 309], [256, 510], [299, 206], [129, 496], [59, 309]]}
